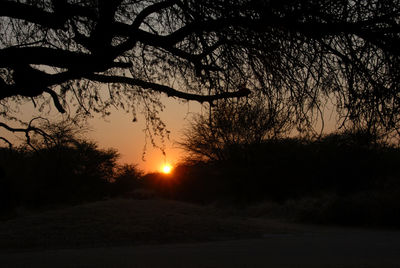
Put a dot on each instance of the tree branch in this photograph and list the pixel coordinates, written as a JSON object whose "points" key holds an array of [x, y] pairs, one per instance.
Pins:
{"points": [[27, 130], [55, 100], [56, 58], [7, 141], [53, 20], [150, 10], [168, 90], [30, 13]]}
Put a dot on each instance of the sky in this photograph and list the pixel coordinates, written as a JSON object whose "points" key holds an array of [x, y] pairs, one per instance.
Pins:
{"points": [[119, 132], [128, 138]]}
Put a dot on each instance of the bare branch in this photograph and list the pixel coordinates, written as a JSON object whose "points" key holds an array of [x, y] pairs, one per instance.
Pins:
{"points": [[53, 20], [55, 100], [55, 57], [7, 141], [26, 130], [151, 9], [168, 90], [30, 13]]}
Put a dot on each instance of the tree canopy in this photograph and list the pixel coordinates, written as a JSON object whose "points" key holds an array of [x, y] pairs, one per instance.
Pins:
{"points": [[231, 126], [303, 54]]}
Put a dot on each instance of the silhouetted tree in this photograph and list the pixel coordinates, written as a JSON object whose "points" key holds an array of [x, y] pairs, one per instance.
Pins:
{"points": [[48, 134], [232, 127], [307, 51], [126, 178], [62, 166]]}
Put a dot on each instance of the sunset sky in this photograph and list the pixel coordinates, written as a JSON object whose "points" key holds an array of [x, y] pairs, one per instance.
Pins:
{"points": [[119, 132]]}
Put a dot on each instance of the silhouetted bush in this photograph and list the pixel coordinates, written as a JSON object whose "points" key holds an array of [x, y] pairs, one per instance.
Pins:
{"points": [[63, 175], [126, 179], [334, 180], [61, 168], [57, 175], [286, 169]]}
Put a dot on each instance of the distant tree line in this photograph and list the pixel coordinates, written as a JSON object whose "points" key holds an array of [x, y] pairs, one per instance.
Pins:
{"points": [[61, 168], [339, 178]]}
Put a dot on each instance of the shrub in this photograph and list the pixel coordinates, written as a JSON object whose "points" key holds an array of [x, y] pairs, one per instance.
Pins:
{"points": [[74, 173], [284, 169]]}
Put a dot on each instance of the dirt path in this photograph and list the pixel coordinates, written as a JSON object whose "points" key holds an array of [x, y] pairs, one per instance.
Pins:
{"points": [[322, 248]]}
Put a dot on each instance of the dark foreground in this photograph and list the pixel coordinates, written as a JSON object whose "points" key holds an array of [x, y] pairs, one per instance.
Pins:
{"points": [[161, 233], [334, 247]]}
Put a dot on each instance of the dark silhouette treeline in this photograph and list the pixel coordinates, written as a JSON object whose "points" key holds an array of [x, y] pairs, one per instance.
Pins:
{"points": [[64, 174], [289, 168], [338, 179]]}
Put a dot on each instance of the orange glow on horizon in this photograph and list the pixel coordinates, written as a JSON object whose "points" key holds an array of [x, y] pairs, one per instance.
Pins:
{"points": [[166, 169]]}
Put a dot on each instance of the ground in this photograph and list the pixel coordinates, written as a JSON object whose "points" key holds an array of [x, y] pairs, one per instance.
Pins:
{"points": [[160, 233], [129, 222]]}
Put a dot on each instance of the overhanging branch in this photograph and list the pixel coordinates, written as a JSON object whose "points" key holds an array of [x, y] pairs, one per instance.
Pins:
{"points": [[53, 20], [151, 9], [171, 92], [55, 57], [55, 100], [30, 13]]}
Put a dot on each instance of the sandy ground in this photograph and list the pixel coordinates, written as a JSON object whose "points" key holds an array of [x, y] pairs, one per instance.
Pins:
{"points": [[333, 248], [126, 222], [126, 233]]}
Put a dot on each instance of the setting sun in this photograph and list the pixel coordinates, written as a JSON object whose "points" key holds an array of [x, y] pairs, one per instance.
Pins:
{"points": [[166, 169]]}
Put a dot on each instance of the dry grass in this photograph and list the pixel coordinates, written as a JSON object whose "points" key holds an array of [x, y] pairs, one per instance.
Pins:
{"points": [[129, 222]]}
